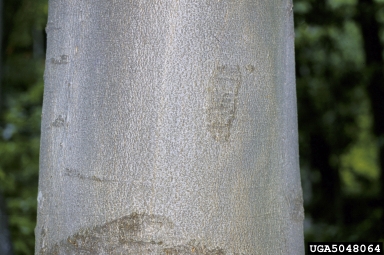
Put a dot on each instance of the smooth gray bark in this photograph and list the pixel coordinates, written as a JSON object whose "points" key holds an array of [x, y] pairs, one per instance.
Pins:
{"points": [[169, 127]]}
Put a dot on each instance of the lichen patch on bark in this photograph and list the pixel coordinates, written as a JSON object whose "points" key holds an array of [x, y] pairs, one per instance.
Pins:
{"points": [[75, 173], [59, 121], [64, 59], [295, 204], [223, 90], [191, 249], [138, 234]]}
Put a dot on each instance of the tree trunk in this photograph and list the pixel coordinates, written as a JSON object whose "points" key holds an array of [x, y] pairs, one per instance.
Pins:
{"points": [[169, 127]]}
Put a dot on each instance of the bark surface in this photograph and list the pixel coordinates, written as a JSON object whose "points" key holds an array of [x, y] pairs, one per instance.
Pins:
{"points": [[169, 127]]}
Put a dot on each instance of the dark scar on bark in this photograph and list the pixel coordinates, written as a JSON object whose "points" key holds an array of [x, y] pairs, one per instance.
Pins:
{"points": [[51, 27], [294, 199], [59, 121], [64, 59], [223, 90], [133, 234], [74, 173], [192, 249]]}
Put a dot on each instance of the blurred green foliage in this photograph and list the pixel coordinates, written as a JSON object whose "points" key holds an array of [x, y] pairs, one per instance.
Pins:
{"points": [[339, 48], [20, 104], [341, 138]]}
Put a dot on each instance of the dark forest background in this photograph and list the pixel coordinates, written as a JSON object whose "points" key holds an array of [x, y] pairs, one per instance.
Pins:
{"points": [[340, 88]]}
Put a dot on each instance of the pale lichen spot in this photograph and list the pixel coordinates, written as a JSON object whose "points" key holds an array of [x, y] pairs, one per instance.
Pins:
{"points": [[43, 237], [250, 68], [40, 199]]}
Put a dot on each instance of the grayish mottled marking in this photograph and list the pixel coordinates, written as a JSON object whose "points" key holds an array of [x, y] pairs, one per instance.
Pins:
{"points": [[64, 59], [223, 89], [132, 234], [59, 121]]}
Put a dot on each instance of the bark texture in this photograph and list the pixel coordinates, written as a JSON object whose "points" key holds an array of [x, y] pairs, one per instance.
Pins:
{"points": [[169, 127]]}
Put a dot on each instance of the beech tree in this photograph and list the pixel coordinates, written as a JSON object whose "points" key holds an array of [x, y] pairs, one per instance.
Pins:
{"points": [[169, 127]]}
